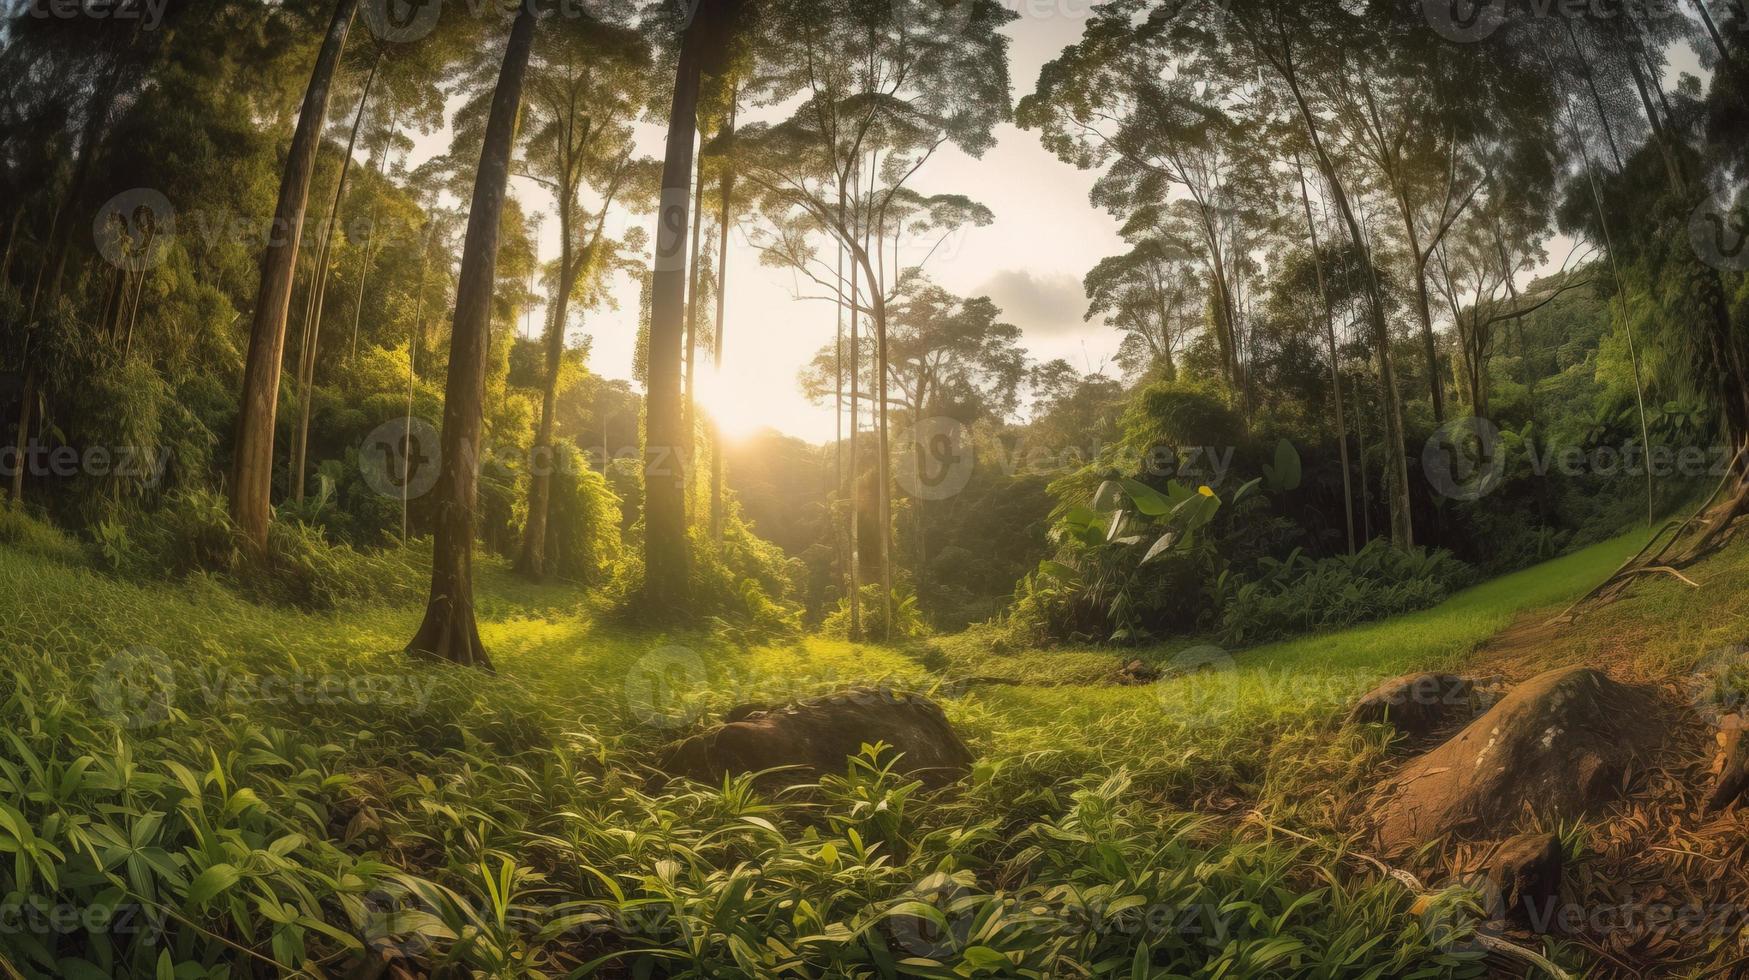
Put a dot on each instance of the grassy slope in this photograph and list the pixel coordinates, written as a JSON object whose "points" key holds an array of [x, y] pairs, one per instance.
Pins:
{"points": [[1247, 735]]}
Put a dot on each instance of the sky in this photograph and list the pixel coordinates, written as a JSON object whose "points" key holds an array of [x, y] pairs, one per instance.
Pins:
{"points": [[1030, 261]]}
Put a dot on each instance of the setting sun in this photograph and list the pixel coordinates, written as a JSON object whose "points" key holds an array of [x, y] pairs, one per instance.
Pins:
{"points": [[742, 404]]}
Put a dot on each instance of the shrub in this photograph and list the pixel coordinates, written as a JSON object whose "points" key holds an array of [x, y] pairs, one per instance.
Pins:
{"points": [[1300, 595], [192, 533], [582, 519], [908, 621]]}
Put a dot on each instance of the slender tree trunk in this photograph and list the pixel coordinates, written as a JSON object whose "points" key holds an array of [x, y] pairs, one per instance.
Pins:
{"points": [[1423, 310], [1725, 60], [27, 399], [59, 244], [838, 373], [534, 538], [1396, 462], [728, 191], [11, 240], [449, 631], [1335, 361], [1620, 288], [690, 422], [665, 546], [1672, 171], [364, 260], [1596, 97], [412, 377], [306, 378], [855, 456], [252, 467]]}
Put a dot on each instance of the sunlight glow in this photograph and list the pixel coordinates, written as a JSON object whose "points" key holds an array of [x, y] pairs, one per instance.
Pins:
{"points": [[742, 404]]}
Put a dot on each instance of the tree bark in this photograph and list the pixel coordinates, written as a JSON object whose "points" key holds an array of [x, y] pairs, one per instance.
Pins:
{"points": [[318, 293], [1335, 363], [534, 536], [690, 419], [252, 466], [665, 546], [60, 236], [728, 191], [1396, 462], [449, 631]]}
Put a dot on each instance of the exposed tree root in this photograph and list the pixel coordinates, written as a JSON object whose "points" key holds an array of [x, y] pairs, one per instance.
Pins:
{"points": [[1711, 527]]}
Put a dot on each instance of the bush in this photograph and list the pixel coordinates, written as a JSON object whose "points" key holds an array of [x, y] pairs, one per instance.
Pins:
{"points": [[1300, 595], [22, 532], [192, 533], [908, 621], [582, 519]]}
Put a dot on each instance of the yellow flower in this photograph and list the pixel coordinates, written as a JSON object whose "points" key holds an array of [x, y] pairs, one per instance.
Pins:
{"points": [[1205, 491]]}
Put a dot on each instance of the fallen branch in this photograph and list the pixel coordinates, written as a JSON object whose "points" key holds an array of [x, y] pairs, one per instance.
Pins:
{"points": [[1665, 570], [1716, 518], [1493, 944]]}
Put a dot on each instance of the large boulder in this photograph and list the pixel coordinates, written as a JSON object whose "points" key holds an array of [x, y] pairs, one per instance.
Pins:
{"points": [[1419, 704], [1558, 745], [816, 736]]}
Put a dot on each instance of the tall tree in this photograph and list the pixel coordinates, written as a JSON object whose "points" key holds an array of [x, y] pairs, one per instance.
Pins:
{"points": [[587, 82], [449, 631], [887, 86], [252, 469], [703, 49]]}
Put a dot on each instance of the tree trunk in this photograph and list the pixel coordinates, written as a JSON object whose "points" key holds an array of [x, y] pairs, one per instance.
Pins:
{"points": [[27, 399], [370, 234], [1596, 97], [11, 239], [855, 427], [252, 467], [1725, 59], [534, 537], [1396, 462], [690, 419], [665, 548], [449, 631], [1423, 310], [728, 191], [306, 378], [1335, 362], [60, 234]]}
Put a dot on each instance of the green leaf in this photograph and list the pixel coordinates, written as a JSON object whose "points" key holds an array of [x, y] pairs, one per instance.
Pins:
{"points": [[1056, 570], [1108, 496], [1161, 546], [1285, 474], [211, 882], [1147, 500]]}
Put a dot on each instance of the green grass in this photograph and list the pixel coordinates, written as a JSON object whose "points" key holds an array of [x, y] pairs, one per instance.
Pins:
{"points": [[176, 749]]}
